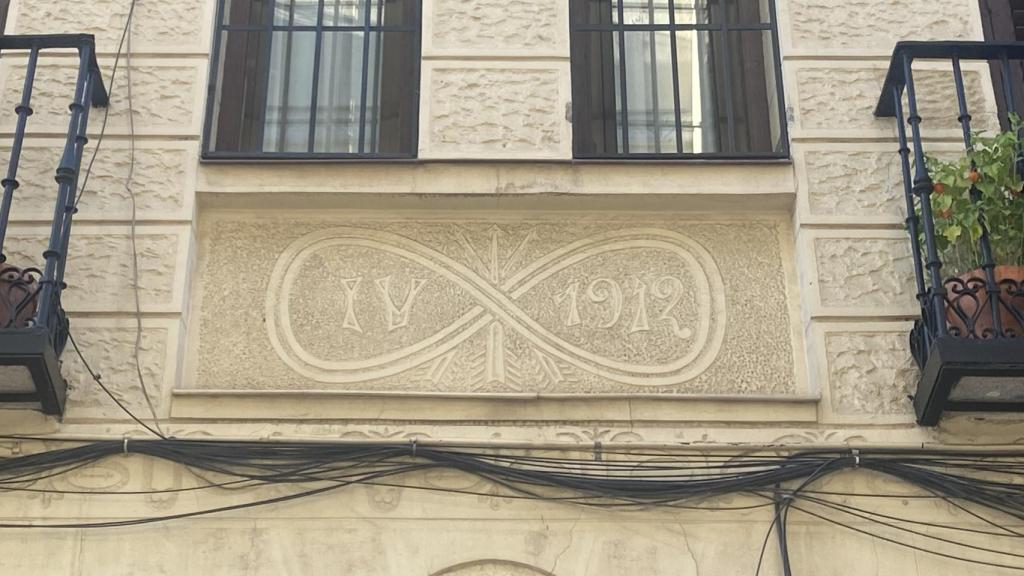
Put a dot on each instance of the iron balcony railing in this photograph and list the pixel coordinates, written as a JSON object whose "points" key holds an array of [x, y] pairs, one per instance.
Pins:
{"points": [[31, 317], [978, 314]]}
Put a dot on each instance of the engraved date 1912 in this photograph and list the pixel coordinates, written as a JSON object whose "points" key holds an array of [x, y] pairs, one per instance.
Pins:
{"points": [[613, 300]]}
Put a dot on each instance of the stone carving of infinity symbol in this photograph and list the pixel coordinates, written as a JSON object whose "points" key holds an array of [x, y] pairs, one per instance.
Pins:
{"points": [[498, 302]]}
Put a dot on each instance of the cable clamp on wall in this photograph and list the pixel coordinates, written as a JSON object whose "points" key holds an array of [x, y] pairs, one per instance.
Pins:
{"points": [[597, 450], [124, 445], [782, 497], [856, 457], [412, 446]]}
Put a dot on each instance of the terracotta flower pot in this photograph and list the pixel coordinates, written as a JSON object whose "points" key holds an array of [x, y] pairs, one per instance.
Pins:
{"points": [[18, 291], [969, 311]]}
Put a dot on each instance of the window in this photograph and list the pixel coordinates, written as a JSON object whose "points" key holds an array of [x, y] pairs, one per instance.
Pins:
{"points": [[314, 79], [1003, 21], [676, 79]]}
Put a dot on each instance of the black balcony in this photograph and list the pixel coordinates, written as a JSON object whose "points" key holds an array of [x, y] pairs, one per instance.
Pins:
{"points": [[969, 341], [33, 325]]}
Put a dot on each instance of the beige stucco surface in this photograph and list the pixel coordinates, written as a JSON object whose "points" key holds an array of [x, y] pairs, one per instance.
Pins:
{"points": [[247, 273]]}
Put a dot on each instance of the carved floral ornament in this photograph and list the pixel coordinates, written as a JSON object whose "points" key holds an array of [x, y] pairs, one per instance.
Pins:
{"points": [[639, 306]]}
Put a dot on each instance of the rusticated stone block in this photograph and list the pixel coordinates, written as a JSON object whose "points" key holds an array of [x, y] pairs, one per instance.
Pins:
{"points": [[870, 373], [157, 26], [99, 269], [496, 111], [869, 24], [110, 351], [854, 184], [163, 97], [498, 25], [160, 181], [844, 98], [868, 273]]}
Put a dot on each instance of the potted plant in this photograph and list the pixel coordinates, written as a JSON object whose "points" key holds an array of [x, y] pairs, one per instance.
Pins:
{"points": [[981, 190]]}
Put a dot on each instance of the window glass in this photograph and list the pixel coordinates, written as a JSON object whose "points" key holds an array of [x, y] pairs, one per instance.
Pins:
{"points": [[671, 78], [650, 96], [315, 77], [286, 123], [349, 12], [340, 92]]}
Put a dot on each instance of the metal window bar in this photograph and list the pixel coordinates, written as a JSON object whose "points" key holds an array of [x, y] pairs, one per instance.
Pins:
{"points": [[730, 113], [619, 27], [23, 290], [675, 76], [368, 27], [624, 104], [952, 307], [378, 55], [655, 105], [315, 90], [268, 54], [781, 106], [367, 21], [286, 81], [672, 26]]}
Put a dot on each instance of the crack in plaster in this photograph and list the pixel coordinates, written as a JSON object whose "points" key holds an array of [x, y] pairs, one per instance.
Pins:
{"points": [[572, 536]]}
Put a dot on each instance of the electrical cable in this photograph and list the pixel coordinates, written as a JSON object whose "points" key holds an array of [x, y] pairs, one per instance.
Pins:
{"points": [[904, 544], [829, 503], [137, 346], [767, 537], [994, 481], [668, 481], [99, 382], [124, 47], [537, 477], [781, 530], [844, 510], [106, 109]]}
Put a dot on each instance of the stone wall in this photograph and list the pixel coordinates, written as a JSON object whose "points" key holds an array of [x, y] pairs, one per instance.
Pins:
{"points": [[854, 255], [518, 297]]}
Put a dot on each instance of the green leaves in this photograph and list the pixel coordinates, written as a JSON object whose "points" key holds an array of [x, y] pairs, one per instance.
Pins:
{"points": [[982, 187]]}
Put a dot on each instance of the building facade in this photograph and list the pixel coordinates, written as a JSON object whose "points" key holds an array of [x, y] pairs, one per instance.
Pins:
{"points": [[529, 225]]}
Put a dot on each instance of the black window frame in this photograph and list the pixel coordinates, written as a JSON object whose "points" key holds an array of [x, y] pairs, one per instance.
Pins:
{"points": [[219, 27], [1003, 21], [723, 27]]}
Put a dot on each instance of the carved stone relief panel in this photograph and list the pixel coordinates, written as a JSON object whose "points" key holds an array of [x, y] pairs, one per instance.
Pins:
{"points": [[466, 305]]}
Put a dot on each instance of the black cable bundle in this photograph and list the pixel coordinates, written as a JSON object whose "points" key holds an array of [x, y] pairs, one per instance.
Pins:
{"points": [[992, 481]]}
